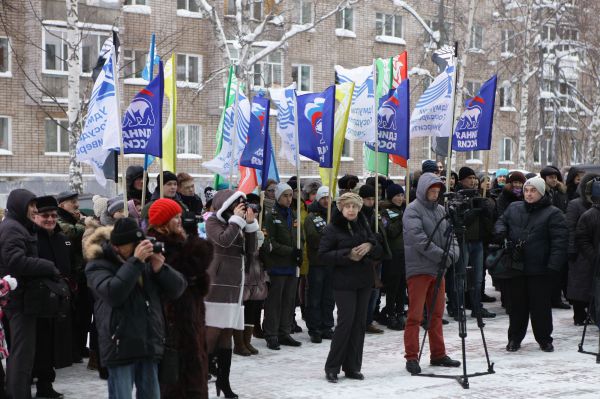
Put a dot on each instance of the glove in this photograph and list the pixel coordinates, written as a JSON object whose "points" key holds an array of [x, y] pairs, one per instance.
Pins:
{"points": [[298, 256], [12, 282]]}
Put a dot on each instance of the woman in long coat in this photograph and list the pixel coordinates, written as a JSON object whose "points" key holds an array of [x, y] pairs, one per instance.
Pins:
{"points": [[232, 231]]}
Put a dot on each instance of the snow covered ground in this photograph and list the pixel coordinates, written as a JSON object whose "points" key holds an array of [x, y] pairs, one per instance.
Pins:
{"points": [[297, 373]]}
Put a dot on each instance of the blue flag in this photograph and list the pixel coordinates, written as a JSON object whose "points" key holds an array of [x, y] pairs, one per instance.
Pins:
{"points": [[253, 155], [474, 128], [142, 122], [393, 121], [270, 167], [151, 60], [315, 126]]}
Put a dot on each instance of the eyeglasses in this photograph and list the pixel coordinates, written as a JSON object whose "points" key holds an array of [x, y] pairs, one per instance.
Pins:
{"points": [[48, 215]]}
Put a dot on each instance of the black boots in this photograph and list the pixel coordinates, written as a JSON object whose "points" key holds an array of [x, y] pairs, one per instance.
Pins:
{"points": [[396, 322], [223, 368]]}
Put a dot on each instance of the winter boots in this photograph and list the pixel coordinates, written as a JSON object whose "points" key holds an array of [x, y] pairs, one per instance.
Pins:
{"points": [[247, 338], [223, 369], [241, 341]]}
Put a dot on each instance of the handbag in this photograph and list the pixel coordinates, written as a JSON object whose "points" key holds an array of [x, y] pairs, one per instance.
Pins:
{"points": [[500, 264], [47, 298]]}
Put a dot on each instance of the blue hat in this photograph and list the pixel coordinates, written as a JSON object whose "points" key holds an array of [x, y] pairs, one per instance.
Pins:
{"points": [[502, 172], [393, 190], [429, 166]]}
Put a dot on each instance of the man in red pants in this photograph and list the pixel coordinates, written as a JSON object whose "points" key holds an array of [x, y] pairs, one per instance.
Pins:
{"points": [[424, 243]]}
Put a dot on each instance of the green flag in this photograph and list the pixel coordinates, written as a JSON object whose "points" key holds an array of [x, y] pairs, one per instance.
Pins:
{"points": [[220, 181]]}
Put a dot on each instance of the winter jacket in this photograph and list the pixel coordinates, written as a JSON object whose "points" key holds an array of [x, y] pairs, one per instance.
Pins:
{"points": [[558, 196], [19, 247], [391, 216], [587, 241], [127, 308], [185, 316], [479, 219], [134, 172], [542, 228], [572, 188], [281, 232], [193, 203], [422, 255], [55, 247], [73, 229], [580, 268], [338, 239], [314, 224], [506, 198]]}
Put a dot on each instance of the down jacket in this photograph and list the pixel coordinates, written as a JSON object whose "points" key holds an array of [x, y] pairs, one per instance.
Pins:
{"points": [[423, 243], [127, 308], [543, 229], [587, 240]]}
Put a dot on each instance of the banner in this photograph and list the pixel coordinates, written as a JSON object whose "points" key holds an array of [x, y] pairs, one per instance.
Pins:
{"points": [[432, 115], [169, 131], [343, 96], [253, 154], [474, 128], [315, 126], [102, 117], [142, 121], [284, 100], [361, 121]]}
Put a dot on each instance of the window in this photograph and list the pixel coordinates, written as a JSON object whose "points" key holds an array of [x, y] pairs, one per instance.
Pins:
{"points": [[508, 42], [305, 15], [435, 26], [505, 150], [472, 88], [189, 68], [302, 75], [4, 134], [57, 136], [91, 44], [189, 140], [348, 149], [344, 19], [473, 156], [189, 5], [567, 91], [134, 62], [55, 50], [388, 25], [537, 150], [255, 9], [269, 71], [548, 33], [4, 56], [506, 96], [427, 144], [136, 2], [476, 41], [230, 7]]}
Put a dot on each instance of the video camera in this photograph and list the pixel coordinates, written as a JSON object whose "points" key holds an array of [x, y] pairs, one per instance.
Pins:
{"points": [[462, 204]]}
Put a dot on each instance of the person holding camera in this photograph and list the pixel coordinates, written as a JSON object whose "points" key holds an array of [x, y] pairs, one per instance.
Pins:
{"points": [[425, 249], [128, 278], [232, 231], [281, 261], [349, 244], [185, 316], [538, 234]]}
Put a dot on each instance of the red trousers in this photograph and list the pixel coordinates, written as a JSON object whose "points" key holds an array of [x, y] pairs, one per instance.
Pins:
{"points": [[420, 296]]}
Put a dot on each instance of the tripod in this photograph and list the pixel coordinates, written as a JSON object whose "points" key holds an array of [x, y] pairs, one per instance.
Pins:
{"points": [[460, 282], [588, 321]]}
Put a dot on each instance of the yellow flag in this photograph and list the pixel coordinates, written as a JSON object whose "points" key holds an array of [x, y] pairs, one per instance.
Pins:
{"points": [[169, 136], [343, 95]]}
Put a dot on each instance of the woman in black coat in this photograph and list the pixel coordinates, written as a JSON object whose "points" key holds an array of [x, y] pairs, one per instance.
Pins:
{"points": [[349, 244], [540, 230]]}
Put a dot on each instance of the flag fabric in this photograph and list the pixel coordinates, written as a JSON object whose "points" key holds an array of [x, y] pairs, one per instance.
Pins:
{"points": [[361, 122], [248, 180], [399, 74], [152, 60], [169, 131], [270, 169], [393, 121], [284, 100], [229, 98], [102, 118], [253, 154], [315, 126], [142, 121], [343, 96], [372, 159], [474, 127]]}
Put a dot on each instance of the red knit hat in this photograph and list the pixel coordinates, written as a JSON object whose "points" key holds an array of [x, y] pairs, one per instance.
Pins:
{"points": [[162, 210]]}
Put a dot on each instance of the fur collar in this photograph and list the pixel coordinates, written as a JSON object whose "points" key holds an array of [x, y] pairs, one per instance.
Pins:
{"points": [[92, 247]]}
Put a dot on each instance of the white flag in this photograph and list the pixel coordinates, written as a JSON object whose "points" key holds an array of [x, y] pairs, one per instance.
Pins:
{"points": [[432, 115], [102, 122], [284, 99], [361, 123]]}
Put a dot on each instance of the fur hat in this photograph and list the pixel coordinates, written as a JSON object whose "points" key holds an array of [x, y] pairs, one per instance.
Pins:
{"points": [[549, 171], [347, 182], [125, 231], [538, 183], [349, 198], [516, 176], [366, 191], [46, 203]]}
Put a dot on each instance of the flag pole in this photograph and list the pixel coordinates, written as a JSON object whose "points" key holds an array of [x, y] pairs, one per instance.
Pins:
{"points": [[298, 227], [122, 152], [375, 101], [486, 173], [174, 118], [262, 212], [330, 194], [407, 182], [449, 163], [145, 173], [234, 132]]}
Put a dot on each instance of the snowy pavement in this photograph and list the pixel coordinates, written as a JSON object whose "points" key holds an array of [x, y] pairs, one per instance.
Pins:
{"points": [[297, 373]]}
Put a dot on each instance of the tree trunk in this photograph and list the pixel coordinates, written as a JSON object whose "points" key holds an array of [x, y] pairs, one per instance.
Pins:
{"points": [[524, 95], [74, 103]]}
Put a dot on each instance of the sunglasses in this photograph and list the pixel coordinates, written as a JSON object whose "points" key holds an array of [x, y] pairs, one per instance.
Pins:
{"points": [[48, 215]]}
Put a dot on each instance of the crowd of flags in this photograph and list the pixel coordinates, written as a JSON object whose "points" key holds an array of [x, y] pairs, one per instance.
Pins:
{"points": [[369, 104]]}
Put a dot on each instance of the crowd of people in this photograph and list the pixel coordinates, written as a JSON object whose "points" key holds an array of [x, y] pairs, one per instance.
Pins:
{"points": [[161, 291]]}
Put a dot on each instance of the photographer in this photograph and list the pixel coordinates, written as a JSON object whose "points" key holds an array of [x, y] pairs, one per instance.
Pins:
{"points": [[128, 280], [424, 246], [477, 218], [538, 233]]}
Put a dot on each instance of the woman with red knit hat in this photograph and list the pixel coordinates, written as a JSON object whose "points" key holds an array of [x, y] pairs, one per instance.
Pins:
{"points": [[186, 329]]}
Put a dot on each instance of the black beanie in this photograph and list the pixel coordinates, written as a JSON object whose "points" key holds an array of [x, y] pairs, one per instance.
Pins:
{"points": [[125, 231], [465, 172], [167, 177], [366, 191], [392, 190]]}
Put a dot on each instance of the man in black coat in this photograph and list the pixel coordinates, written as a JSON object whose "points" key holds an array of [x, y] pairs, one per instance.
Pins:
{"points": [[19, 258], [134, 178], [128, 280]]}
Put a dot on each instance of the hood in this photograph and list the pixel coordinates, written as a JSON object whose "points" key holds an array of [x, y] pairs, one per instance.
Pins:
{"points": [[92, 247], [106, 219], [223, 200], [133, 172], [17, 203], [574, 171], [315, 207], [425, 182], [585, 193]]}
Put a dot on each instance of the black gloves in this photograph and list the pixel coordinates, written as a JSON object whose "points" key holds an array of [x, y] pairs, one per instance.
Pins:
{"points": [[298, 256]]}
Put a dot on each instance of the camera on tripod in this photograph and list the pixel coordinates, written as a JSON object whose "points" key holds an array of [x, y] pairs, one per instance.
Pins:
{"points": [[461, 205]]}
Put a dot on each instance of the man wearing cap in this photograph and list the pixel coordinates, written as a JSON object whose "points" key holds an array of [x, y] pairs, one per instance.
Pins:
{"points": [[320, 301], [69, 220], [538, 234], [424, 248], [169, 182], [19, 257], [284, 257], [128, 280]]}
